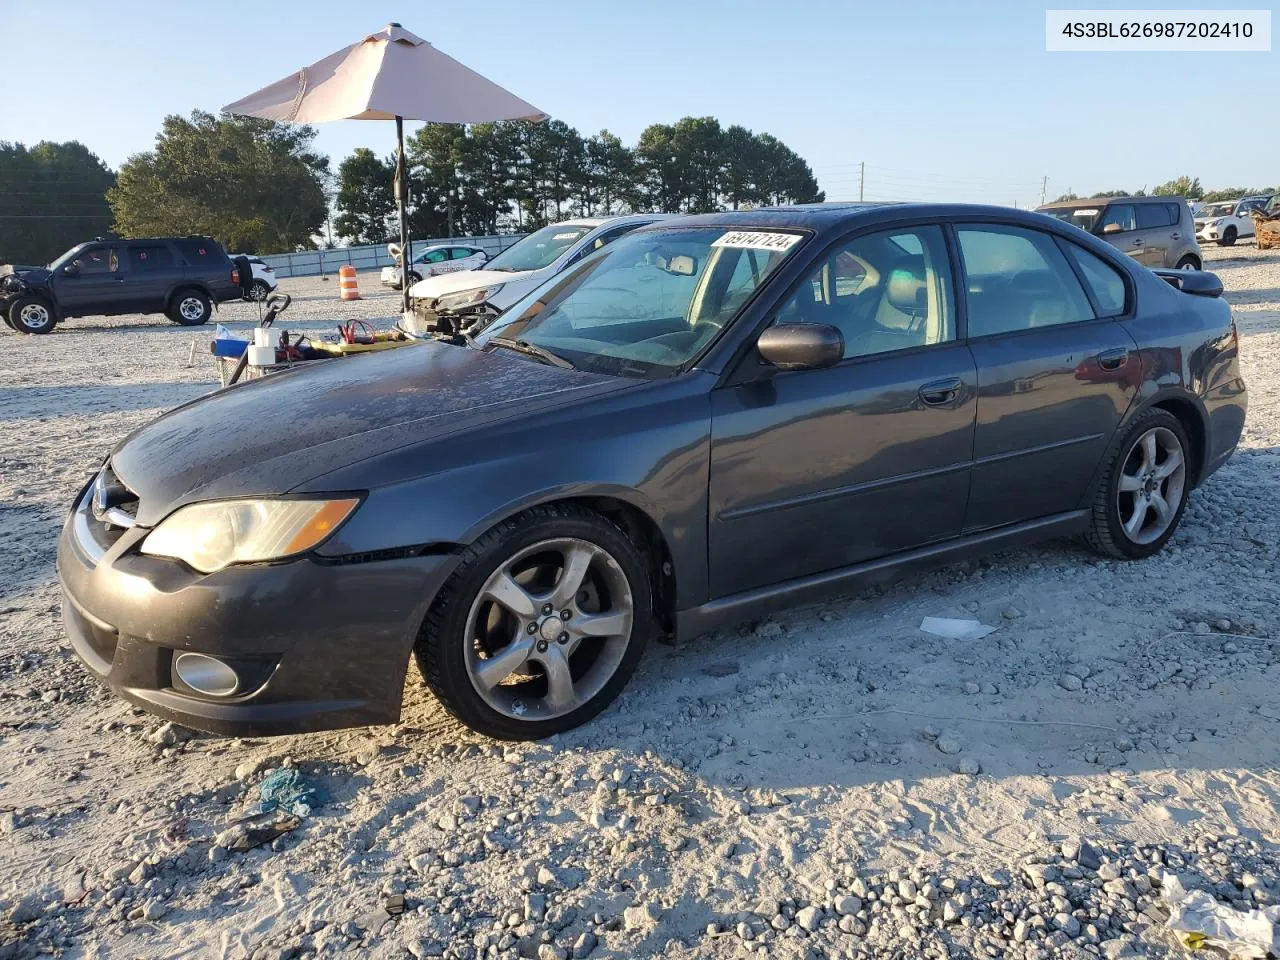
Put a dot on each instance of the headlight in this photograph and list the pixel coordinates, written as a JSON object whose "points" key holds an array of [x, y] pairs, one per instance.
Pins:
{"points": [[210, 536], [467, 298]]}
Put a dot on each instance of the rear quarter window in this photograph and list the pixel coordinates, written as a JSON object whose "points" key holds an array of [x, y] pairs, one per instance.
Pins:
{"points": [[1103, 280], [200, 252]]}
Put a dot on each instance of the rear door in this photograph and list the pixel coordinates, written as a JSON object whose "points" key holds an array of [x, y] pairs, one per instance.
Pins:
{"points": [[1056, 369], [96, 284], [154, 271], [1158, 228]]}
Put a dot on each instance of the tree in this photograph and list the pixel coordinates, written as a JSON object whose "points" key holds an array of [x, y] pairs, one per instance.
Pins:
{"points": [[254, 185], [366, 201], [1066, 197], [664, 182], [52, 196], [1106, 194], [699, 148], [743, 167], [1187, 187]]}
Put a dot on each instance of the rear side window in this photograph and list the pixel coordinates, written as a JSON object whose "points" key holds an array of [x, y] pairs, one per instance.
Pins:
{"points": [[199, 252], [142, 259], [1103, 280], [1154, 215], [1017, 280]]}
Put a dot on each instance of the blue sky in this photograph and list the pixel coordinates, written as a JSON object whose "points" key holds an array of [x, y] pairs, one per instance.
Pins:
{"points": [[941, 100]]}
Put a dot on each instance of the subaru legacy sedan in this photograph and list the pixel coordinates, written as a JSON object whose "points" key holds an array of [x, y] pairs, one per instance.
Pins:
{"points": [[710, 418]]}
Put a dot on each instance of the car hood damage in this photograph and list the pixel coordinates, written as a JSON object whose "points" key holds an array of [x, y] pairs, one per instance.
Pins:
{"points": [[269, 436], [433, 288]]}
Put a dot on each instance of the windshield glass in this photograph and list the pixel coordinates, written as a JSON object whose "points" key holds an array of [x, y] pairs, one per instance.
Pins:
{"points": [[647, 304], [66, 257], [1083, 217], [539, 249], [1217, 210]]}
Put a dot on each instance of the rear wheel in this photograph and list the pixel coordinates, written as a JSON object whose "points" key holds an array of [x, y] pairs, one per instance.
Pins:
{"points": [[1140, 501], [1228, 237], [1189, 263], [189, 307], [541, 625], [31, 315], [259, 290], [414, 277]]}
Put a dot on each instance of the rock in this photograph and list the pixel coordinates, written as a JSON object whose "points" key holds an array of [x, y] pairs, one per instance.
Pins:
{"points": [[1021, 930], [1078, 670], [248, 768], [847, 905], [972, 688], [1120, 948], [969, 767], [949, 744], [583, 946], [1088, 857], [997, 878], [724, 668], [743, 930], [549, 951], [1067, 924], [1108, 871], [907, 889], [535, 907], [951, 912], [170, 734], [642, 916], [1069, 681], [850, 924], [809, 918], [547, 877], [154, 909]]}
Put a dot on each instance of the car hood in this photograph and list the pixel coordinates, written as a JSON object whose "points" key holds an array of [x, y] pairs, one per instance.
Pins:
{"points": [[268, 436], [434, 287], [29, 274]]}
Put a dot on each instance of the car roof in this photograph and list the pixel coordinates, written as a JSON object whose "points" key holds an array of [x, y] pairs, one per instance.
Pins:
{"points": [[820, 217], [1102, 201]]}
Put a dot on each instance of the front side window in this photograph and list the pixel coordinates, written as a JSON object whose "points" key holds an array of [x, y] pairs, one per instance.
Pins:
{"points": [[1017, 279], [434, 256], [97, 260], [647, 304], [883, 292], [540, 249], [1120, 214]]}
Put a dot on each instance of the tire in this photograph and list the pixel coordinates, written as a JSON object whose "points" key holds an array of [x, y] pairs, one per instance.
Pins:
{"points": [[1189, 263], [183, 307], [31, 315], [1113, 532], [1228, 237], [467, 629], [414, 277], [259, 290]]}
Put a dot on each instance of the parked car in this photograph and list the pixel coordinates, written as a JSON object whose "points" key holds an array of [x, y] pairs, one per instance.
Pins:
{"points": [[264, 280], [435, 260], [181, 277], [761, 407], [1227, 221], [457, 302], [1156, 231]]}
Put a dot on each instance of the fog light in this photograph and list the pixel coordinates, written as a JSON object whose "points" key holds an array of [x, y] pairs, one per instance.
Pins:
{"points": [[206, 675]]}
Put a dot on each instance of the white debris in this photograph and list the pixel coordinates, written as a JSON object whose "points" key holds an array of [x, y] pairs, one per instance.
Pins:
{"points": [[1200, 920], [952, 629]]}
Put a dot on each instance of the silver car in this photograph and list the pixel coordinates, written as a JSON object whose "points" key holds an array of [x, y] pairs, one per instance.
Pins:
{"points": [[1156, 231]]}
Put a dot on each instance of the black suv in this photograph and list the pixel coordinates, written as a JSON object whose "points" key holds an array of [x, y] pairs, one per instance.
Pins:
{"points": [[181, 277]]}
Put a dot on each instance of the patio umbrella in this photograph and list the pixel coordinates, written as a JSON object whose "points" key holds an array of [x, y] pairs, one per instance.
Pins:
{"points": [[389, 75]]}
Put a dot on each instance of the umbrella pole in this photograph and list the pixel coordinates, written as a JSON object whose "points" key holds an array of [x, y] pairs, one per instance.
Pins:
{"points": [[402, 199]]}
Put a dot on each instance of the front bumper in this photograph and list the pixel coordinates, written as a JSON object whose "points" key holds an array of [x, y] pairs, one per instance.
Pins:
{"points": [[319, 645]]}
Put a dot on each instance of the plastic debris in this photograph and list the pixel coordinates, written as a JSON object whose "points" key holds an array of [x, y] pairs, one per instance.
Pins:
{"points": [[246, 836], [286, 789], [1199, 921], [952, 629]]}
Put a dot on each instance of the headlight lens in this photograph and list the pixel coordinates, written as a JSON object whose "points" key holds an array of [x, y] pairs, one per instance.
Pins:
{"points": [[468, 298], [210, 536]]}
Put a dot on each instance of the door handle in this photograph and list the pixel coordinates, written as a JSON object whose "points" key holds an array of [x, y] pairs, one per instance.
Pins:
{"points": [[940, 392], [1113, 359], [1174, 236], [1137, 242], [119, 279]]}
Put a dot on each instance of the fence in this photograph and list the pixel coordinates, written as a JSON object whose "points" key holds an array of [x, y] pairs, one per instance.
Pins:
{"points": [[310, 263]]}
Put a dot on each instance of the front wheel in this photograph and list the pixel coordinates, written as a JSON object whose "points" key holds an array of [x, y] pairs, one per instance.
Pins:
{"points": [[541, 625], [1141, 499], [189, 307], [31, 315], [1228, 237]]}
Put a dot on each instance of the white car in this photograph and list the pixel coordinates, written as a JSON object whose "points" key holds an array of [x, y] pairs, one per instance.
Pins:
{"points": [[435, 260], [264, 278], [517, 270], [1227, 221]]}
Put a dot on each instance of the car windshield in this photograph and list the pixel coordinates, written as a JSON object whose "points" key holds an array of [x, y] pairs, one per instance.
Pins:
{"points": [[647, 304], [66, 257], [539, 249], [1083, 217], [1217, 210]]}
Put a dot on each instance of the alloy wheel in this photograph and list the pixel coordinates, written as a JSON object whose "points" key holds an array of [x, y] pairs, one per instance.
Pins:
{"points": [[548, 629], [1152, 485]]}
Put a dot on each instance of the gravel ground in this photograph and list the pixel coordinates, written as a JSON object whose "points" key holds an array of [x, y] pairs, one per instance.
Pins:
{"points": [[830, 782]]}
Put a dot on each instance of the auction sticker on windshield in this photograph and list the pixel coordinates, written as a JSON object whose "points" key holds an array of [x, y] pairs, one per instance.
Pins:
{"points": [[758, 240]]}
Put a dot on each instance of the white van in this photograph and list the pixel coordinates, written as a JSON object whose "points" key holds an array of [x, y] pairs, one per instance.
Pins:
{"points": [[515, 271]]}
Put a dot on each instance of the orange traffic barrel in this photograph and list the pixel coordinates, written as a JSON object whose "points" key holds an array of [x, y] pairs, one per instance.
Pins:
{"points": [[347, 289]]}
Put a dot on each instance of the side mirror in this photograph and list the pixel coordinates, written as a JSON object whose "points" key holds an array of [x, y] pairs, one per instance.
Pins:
{"points": [[801, 346], [72, 268], [1111, 228]]}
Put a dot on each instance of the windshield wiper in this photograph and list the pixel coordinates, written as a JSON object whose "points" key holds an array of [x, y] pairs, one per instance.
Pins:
{"points": [[533, 350]]}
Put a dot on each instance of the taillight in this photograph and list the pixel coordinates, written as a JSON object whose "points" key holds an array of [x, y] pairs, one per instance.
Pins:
{"points": [[235, 276]]}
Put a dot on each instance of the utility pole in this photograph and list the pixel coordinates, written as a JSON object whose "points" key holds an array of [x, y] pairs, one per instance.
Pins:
{"points": [[862, 178], [1044, 187]]}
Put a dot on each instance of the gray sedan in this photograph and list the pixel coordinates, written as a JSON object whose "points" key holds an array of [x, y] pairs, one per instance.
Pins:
{"points": [[708, 419]]}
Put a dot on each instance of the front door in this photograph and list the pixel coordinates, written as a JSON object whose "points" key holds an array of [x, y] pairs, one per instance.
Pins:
{"points": [[1056, 370], [813, 470], [94, 285], [153, 272]]}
